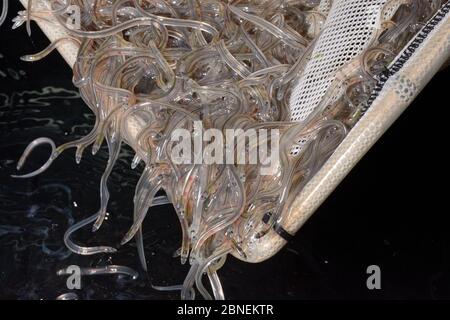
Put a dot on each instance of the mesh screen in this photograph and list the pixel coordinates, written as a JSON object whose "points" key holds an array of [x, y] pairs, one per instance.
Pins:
{"points": [[349, 28]]}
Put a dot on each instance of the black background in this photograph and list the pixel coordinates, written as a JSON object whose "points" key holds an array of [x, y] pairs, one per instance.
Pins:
{"points": [[391, 210]]}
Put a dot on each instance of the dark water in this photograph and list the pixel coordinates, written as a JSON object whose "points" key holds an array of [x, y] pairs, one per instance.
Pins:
{"points": [[387, 212]]}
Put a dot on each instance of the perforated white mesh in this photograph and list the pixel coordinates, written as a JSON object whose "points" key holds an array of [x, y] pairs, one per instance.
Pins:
{"points": [[349, 28], [324, 6]]}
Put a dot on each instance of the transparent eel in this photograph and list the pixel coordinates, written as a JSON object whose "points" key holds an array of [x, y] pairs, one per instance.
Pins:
{"points": [[111, 269], [148, 69], [4, 11]]}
